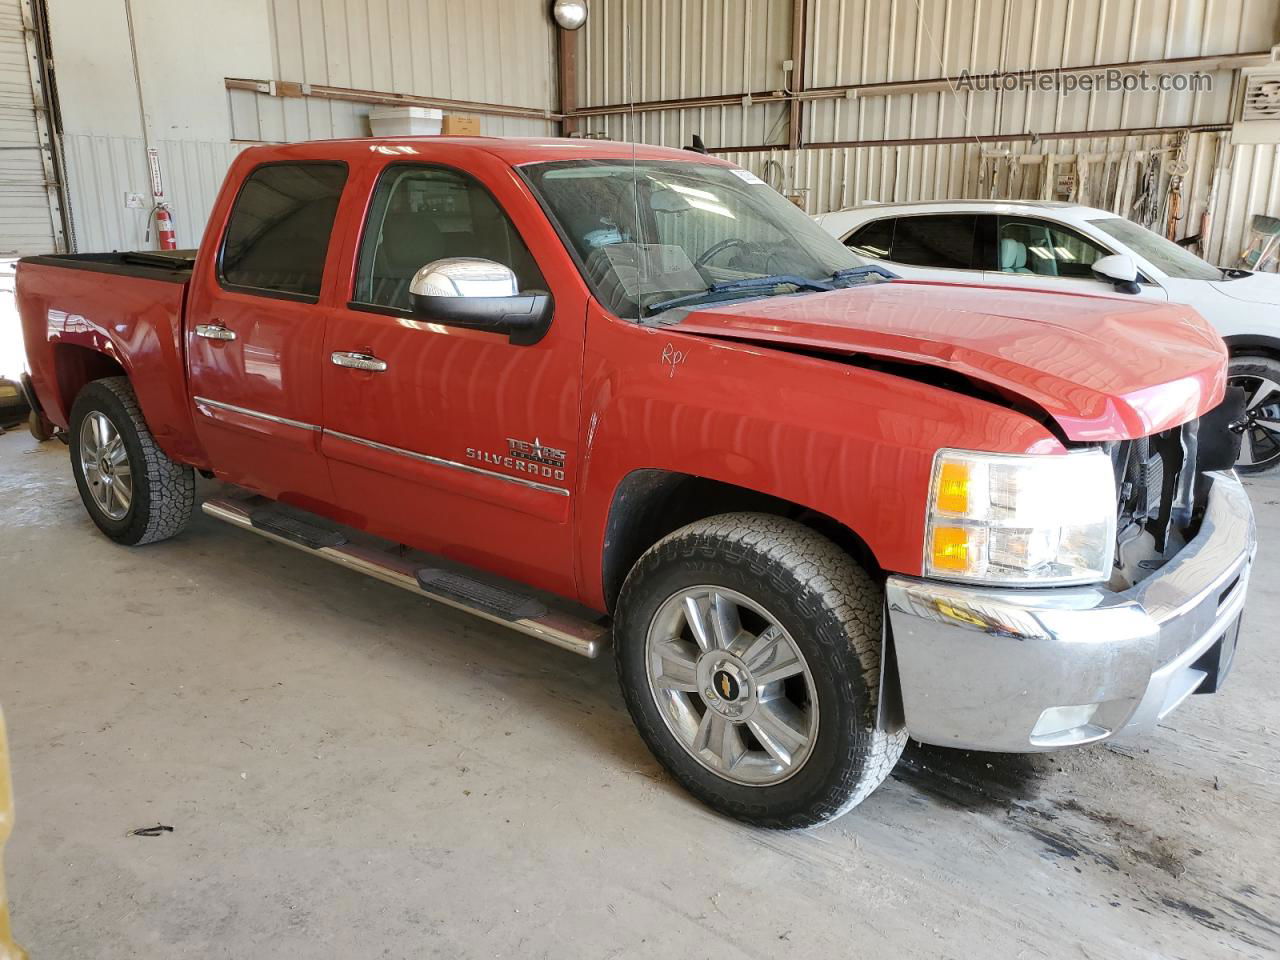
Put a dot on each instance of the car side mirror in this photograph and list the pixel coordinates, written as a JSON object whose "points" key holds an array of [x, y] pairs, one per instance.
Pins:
{"points": [[478, 294], [1120, 270]]}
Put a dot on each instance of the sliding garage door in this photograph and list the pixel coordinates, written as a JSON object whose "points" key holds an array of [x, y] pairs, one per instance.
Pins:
{"points": [[30, 208]]}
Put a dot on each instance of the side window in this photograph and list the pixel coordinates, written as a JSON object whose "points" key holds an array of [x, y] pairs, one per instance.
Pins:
{"points": [[420, 214], [872, 239], [278, 232], [1026, 245], [944, 240]]}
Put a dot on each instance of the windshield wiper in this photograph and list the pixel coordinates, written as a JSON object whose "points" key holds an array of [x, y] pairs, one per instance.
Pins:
{"points": [[748, 283], [863, 273]]}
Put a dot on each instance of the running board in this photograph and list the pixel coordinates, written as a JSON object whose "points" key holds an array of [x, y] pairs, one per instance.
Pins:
{"points": [[520, 612]]}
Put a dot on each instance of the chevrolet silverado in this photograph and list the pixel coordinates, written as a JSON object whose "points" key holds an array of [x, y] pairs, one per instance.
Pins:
{"points": [[595, 391]]}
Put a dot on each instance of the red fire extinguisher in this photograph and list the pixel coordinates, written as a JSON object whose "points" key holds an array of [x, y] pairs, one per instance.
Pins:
{"points": [[165, 237]]}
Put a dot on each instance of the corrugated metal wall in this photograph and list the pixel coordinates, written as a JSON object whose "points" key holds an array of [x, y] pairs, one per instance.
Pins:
{"points": [[101, 168], [693, 48], [29, 221], [495, 51]]}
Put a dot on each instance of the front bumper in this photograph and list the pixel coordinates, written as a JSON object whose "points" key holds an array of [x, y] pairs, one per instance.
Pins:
{"points": [[1020, 670]]}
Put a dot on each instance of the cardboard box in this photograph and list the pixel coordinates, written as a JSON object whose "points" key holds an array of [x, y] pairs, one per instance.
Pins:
{"points": [[460, 125]]}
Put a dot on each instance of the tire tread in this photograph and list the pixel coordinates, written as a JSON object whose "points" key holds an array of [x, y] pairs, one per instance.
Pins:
{"points": [[170, 487], [790, 556]]}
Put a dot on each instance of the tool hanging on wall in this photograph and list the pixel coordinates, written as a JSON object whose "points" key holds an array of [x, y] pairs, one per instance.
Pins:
{"points": [[1206, 216], [1146, 205], [1176, 167]]}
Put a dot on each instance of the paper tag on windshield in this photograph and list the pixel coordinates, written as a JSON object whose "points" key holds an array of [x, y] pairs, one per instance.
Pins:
{"points": [[746, 176]]}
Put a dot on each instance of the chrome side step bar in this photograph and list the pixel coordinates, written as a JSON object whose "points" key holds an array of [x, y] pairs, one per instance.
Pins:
{"points": [[581, 636]]}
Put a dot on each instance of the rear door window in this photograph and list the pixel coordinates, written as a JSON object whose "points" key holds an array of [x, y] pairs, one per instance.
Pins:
{"points": [[873, 239], [278, 233], [941, 240]]}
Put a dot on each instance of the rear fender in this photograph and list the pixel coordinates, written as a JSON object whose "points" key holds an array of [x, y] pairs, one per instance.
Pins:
{"points": [[80, 325]]}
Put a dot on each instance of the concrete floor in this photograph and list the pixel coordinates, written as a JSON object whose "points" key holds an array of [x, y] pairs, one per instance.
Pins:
{"points": [[352, 772]]}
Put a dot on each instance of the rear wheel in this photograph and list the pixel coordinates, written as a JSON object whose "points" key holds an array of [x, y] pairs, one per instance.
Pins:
{"points": [[39, 427], [1259, 377], [748, 648], [132, 490]]}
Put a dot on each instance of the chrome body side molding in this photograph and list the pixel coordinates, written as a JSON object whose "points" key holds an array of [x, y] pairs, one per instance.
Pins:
{"points": [[452, 464], [245, 411], [205, 402]]}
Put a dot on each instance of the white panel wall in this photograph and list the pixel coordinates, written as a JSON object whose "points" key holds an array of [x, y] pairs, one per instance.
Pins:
{"points": [[694, 48], [185, 50], [498, 51], [492, 51]]}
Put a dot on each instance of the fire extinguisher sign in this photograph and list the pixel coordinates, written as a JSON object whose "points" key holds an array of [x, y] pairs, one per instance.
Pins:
{"points": [[153, 163]]}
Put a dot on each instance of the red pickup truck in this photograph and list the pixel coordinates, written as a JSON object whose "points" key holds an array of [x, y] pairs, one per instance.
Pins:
{"points": [[590, 390]]}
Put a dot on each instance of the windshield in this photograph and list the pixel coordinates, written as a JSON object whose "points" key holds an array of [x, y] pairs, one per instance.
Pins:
{"points": [[1163, 254], [666, 230]]}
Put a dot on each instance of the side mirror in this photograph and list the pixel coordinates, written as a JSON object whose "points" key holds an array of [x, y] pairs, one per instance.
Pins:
{"points": [[480, 295], [1120, 270]]}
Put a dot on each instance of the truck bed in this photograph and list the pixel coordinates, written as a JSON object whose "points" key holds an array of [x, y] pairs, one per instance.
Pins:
{"points": [[92, 315], [172, 266]]}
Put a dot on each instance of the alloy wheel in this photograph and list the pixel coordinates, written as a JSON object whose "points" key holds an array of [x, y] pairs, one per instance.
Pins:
{"points": [[105, 463], [1260, 442], [732, 685]]}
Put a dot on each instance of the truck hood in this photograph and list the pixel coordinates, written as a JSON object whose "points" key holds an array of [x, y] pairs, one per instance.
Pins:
{"points": [[1103, 368]]}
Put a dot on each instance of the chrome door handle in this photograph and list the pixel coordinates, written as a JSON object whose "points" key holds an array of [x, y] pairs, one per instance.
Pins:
{"points": [[214, 331], [358, 361]]}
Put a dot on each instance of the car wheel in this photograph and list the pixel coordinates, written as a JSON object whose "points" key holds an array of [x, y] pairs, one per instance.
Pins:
{"points": [[132, 490], [748, 649], [39, 427], [1260, 442]]}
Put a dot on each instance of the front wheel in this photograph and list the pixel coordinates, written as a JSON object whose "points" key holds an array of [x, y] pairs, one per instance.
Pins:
{"points": [[1259, 377], [132, 490], [748, 648]]}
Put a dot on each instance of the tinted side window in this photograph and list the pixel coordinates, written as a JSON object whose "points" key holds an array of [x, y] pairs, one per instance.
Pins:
{"points": [[1048, 249], [872, 239], [420, 214], [278, 232], [945, 240]]}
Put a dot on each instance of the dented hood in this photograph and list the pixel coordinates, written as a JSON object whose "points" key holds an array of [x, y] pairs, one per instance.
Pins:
{"points": [[1104, 368]]}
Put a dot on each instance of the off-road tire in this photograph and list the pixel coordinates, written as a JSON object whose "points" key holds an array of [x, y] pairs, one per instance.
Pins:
{"points": [[164, 492], [1266, 368], [833, 611]]}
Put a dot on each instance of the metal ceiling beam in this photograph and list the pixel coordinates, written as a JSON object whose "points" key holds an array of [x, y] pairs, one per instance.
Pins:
{"points": [[799, 37], [926, 85], [285, 88], [983, 138], [567, 78]]}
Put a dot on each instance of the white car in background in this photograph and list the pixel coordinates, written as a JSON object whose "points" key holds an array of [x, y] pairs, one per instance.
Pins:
{"points": [[1068, 247]]}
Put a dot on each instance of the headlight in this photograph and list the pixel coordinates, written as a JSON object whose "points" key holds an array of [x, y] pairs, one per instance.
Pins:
{"points": [[1021, 519]]}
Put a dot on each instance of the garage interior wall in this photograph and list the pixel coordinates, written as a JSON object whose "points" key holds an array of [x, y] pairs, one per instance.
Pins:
{"points": [[903, 142], [194, 58], [177, 103], [495, 52], [30, 204]]}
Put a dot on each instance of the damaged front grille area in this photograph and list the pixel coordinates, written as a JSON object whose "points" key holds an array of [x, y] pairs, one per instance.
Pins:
{"points": [[1162, 485], [1156, 508]]}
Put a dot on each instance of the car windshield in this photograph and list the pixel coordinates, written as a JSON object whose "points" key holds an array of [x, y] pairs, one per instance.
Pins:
{"points": [[686, 231], [1163, 254]]}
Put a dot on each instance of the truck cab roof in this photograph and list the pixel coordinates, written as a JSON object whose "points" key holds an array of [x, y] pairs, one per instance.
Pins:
{"points": [[515, 151]]}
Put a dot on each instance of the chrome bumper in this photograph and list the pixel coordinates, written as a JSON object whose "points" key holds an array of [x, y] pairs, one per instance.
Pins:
{"points": [[1019, 671]]}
